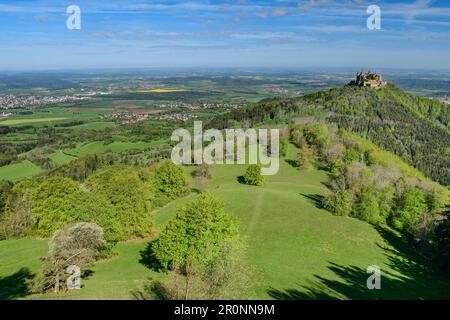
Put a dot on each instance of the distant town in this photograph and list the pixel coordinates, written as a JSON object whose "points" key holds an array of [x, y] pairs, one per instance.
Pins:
{"points": [[12, 101], [132, 117], [203, 106]]}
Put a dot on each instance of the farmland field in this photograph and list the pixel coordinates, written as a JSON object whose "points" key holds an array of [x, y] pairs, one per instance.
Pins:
{"points": [[96, 125], [55, 115], [99, 146], [14, 122]]}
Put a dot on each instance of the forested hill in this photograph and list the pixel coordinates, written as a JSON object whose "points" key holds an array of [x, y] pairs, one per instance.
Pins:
{"points": [[414, 128]]}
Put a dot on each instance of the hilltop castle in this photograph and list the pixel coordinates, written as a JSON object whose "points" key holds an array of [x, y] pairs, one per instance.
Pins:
{"points": [[368, 79]]}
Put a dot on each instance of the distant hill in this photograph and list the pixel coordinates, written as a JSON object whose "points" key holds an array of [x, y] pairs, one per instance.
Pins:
{"points": [[414, 128]]}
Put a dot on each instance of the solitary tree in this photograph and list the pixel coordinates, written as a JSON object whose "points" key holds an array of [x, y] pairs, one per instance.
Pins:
{"points": [[412, 206], [253, 175], [203, 171], [195, 247]]}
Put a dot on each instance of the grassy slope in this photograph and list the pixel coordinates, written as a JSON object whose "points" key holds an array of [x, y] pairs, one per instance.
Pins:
{"points": [[96, 125], [117, 278], [61, 158], [19, 260], [296, 249], [13, 122], [26, 169], [54, 115]]}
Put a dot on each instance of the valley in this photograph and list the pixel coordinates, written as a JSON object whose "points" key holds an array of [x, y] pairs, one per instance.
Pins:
{"points": [[353, 158]]}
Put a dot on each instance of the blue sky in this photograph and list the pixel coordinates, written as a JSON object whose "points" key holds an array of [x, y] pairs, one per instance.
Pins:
{"points": [[235, 33]]}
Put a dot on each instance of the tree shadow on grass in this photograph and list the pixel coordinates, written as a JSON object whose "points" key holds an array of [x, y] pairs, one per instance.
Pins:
{"points": [[315, 199], [405, 275], [86, 274], [15, 285], [314, 291], [149, 260], [292, 163], [152, 290], [351, 285], [196, 190]]}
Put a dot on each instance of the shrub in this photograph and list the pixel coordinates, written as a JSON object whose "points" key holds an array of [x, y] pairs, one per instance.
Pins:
{"points": [[80, 236], [317, 134], [367, 208], [253, 175], [411, 208], [5, 189], [203, 171], [306, 158], [96, 208], [339, 202], [16, 220], [170, 180]]}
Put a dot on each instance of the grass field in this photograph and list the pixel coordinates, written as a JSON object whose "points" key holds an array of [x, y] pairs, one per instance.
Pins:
{"points": [[296, 249], [18, 137], [14, 122], [54, 115], [21, 170], [120, 277], [158, 90], [97, 104], [60, 158], [96, 125]]}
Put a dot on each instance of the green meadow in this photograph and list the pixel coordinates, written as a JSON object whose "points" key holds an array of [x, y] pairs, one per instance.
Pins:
{"points": [[296, 249], [51, 116], [96, 125], [26, 169], [14, 122], [18, 171], [60, 158]]}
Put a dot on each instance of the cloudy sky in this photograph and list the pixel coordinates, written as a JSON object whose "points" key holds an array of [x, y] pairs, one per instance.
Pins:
{"points": [[233, 33]]}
